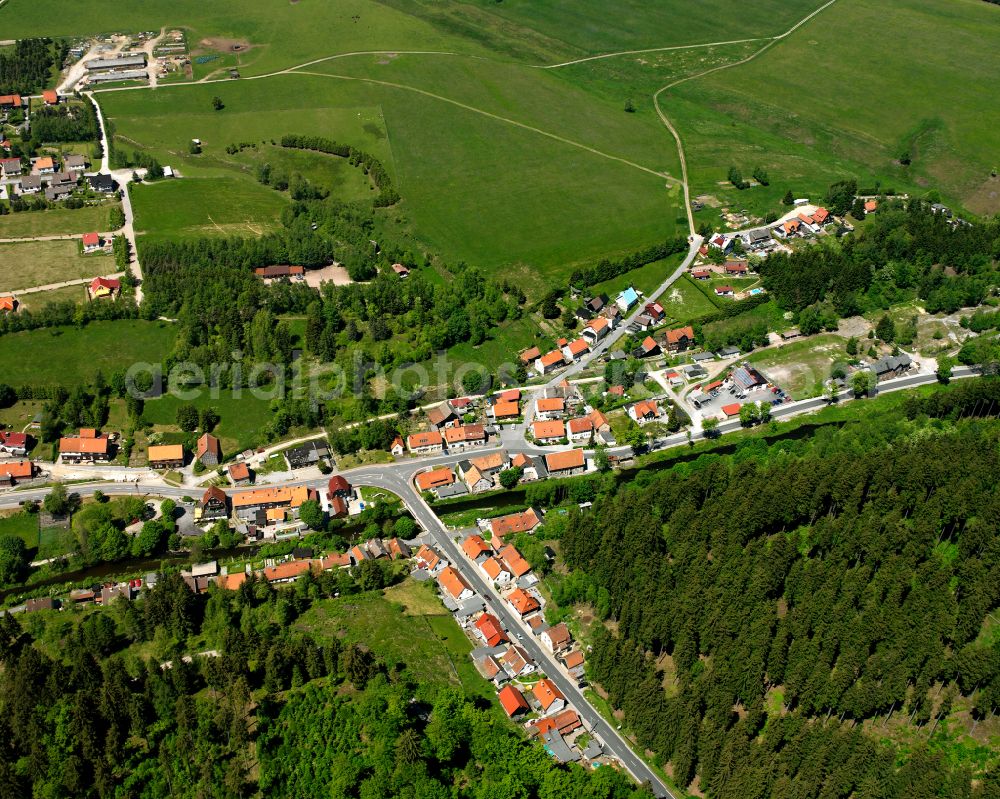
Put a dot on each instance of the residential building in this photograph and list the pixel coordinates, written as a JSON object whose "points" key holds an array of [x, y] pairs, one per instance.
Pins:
{"points": [[75, 164], [14, 472], [339, 487], [596, 304], [476, 481], [286, 572], [891, 366], [644, 412], [31, 184], [871, 206], [514, 561], [453, 584], [596, 329], [737, 268], [626, 299], [425, 443], [580, 429], [10, 101], [522, 602], [88, 447], [45, 165], [401, 271], [462, 437], [338, 508], [8, 304], [576, 349], [103, 184], [435, 478], [524, 522], [475, 547], [550, 699], [549, 362], [104, 287], [441, 415], [517, 661], [308, 454], [512, 701], [654, 311], [502, 410], [398, 447], [247, 503], [92, 242], [648, 348], [496, 571], [680, 339], [759, 237], [208, 450], [214, 504], [701, 274], [279, 271], [556, 639], [724, 291], [239, 474], [548, 432], [566, 464], [11, 167], [721, 242], [549, 408], [166, 456], [12, 443]]}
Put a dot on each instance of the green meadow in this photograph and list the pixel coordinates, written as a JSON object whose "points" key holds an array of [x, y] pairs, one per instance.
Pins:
{"points": [[837, 98], [69, 356]]}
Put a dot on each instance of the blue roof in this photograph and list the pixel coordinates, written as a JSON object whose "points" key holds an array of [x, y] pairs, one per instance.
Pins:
{"points": [[629, 295]]}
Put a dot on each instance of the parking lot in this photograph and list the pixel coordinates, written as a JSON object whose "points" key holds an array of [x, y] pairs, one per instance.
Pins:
{"points": [[733, 392]]}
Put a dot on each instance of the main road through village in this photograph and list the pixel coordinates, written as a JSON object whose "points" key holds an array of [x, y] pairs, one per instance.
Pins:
{"points": [[398, 478]]}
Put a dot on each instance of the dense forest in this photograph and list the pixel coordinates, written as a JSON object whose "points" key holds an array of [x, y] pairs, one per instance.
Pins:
{"points": [[906, 251], [65, 123], [106, 706], [794, 594], [27, 68]]}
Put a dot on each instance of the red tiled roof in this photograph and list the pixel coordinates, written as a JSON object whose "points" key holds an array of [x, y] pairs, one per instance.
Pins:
{"points": [[239, 471], [208, 443], [579, 347], [552, 358], [474, 546], [515, 561], [529, 355], [428, 439], [286, 571], [91, 239], [512, 701], [522, 602], [675, 335], [506, 410], [733, 409], [453, 582], [435, 478], [550, 429], [515, 523], [570, 459], [18, 470], [581, 424], [493, 632], [550, 404], [546, 693], [109, 283]]}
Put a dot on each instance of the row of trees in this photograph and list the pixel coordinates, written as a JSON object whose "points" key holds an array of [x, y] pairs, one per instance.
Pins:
{"points": [[65, 123], [372, 167], [606, 269], [820, 575]]}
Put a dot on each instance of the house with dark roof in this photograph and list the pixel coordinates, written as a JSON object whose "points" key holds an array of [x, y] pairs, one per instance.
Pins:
{"points": [[308, 454], [441, 415], [214, 504]]}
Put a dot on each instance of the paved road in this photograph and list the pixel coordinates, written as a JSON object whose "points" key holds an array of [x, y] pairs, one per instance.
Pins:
{"points": [[606, 343]]}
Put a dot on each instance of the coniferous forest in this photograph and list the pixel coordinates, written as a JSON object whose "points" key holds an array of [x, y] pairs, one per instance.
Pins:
{"points": [[775, 609]]}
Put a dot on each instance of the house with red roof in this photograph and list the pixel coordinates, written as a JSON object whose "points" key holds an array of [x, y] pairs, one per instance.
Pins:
{"points": [[724, 291], [654, 311], [522, 602], [8, 304], [549, 362], [580, 429], [13, 443], [104, 287], [550, 699], [512, 701], [490, 629], [13, 472], [737, 268], [680, 339], [50, 97], [644, 412], [92, 242], [575, 349], [701, 274]]}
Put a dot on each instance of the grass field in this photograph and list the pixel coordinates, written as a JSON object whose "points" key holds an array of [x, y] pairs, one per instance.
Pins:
{"points": [[801, 366], [476, 187], [407, 625], [850, 105], [686, 301], [239, 418], [39, 263], [21, 525], [194, 207], [55, 221], [69, 356], [39, 299], [645, 278]]}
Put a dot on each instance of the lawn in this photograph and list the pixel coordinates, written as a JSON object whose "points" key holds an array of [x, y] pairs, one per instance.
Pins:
{"points": [[645, 278], [55, 221], [23, 526], [71, 356], [864, 112], [39, 299], [193, 207], [407, 625], [55, 541], [39, 263], [800, 367], [685, 301], [240, 418]]}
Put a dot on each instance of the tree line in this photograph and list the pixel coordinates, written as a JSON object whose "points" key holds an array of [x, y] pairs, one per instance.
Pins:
{"points": [[605, 269], [372, 167], [65, 123], [841, 580]]}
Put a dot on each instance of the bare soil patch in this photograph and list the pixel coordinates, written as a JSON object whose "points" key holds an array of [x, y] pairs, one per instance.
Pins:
{"points": [[226, 45], [334, 273]]}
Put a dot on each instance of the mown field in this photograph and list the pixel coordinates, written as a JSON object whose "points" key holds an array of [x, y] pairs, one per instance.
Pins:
{"points": [[69, 356], [41, 263], [834, 100], [239, 417], [55, 222]]}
